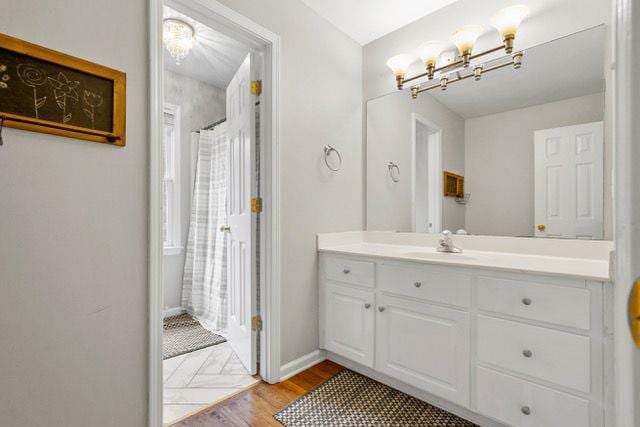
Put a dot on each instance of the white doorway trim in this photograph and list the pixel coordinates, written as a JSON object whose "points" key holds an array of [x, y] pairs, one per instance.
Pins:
{"points": [[225, 20], [434, 167], [626, 36]]}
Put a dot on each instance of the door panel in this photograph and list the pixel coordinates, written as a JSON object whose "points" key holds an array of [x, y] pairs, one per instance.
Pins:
{"points": [[349, 322], [241, 273], [424, 345], [569, 181]]}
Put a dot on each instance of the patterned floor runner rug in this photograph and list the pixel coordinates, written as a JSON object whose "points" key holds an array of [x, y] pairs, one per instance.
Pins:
{"points": [[352, 400], [184, 334]]}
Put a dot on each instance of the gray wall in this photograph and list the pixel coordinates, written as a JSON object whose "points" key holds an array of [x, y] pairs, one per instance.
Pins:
{"points": [[500, 163], [73, 238], [389, 127], [200, 104], [73, 246], [321, 103]]}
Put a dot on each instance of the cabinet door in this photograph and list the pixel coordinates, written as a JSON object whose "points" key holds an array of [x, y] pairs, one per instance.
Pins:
{"points": [[348, 322], [424, 345]]}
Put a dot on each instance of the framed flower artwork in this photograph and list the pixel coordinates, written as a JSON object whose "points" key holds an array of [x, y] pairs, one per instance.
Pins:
{"points": [[42, 90]]}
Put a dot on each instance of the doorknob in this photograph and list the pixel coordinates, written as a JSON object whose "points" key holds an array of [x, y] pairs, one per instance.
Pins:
{"points": [[225, 228], [634, 312], [541, 227]]}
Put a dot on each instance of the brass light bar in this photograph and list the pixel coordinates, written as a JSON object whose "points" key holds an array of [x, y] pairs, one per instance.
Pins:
{"points": [[461, 61], [516, 62]]}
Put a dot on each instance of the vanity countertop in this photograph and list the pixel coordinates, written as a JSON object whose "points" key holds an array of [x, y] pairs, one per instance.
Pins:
{"points": [[590, 264]]}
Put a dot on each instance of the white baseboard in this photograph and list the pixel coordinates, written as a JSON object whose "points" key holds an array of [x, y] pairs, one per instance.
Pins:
{"points": [[174, 311], [301, 363]]}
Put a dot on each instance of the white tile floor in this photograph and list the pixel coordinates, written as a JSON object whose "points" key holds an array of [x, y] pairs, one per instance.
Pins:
{"points": [[199, 378]]}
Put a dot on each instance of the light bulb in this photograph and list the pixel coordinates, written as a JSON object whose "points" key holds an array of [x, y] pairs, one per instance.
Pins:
{"points": [[400, 63], [466, 37], [430, 51], [508, 20]]}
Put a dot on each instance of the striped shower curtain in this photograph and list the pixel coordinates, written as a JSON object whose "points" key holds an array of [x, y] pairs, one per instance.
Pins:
{"points": [[204, 283]]}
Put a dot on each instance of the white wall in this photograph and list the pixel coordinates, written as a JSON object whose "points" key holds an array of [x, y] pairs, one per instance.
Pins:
{"points": [[200, 104], [321, 103], [389, 128], [73, 238], [548, 20]]}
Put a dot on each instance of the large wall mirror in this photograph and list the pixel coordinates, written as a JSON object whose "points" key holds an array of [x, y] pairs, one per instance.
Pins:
{"points": [[521, 152]]}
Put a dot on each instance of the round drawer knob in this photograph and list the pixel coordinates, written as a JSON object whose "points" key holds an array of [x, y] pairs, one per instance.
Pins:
{"points": [[367, 305], [346, 271], [527, 353], [525, 410], [380, 309], [417, 284], [526, 301]]}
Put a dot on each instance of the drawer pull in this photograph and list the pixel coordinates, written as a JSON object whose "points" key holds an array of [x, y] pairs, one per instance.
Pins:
{"points": [[527, 353], [367, 305], [380, 309], [526, 301], [526, 410], [346, 271], [417, 284]]}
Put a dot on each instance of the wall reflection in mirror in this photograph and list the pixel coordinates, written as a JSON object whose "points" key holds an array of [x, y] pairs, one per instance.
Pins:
{"points": [[523, 152]]}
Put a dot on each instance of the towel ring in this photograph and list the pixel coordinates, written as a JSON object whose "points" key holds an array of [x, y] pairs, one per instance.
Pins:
{"points": [[328, 149], [392, 166]]}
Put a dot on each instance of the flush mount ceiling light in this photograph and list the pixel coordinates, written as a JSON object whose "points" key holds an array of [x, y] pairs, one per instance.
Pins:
{"points": [[179, 38], [506, 21]]}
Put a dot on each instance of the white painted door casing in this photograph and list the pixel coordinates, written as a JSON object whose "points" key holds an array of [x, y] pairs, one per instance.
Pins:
{"points": [[569, 181], [242, 298]]}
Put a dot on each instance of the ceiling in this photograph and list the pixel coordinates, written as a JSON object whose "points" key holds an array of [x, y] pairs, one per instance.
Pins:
{"points": [[565, 68], [367, 20], [214, 59]]}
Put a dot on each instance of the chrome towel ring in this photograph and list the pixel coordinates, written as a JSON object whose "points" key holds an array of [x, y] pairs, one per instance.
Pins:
{"points": [[328, 149], [395, 177]]}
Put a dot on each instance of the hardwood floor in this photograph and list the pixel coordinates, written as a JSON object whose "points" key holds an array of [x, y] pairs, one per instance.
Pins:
{"points": [[256, 405]]}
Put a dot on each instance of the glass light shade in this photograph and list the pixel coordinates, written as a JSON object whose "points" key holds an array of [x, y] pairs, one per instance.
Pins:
{"points": [[430, 51], [178, 37], [466, 37], [400, 63], [508, 19]]}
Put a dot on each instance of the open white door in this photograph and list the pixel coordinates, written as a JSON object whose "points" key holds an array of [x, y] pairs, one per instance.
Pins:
{"points": [[242, 303], [569, 181]]}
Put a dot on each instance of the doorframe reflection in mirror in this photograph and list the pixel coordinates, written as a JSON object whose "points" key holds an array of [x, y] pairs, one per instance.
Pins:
{"points": [[433, 198]]}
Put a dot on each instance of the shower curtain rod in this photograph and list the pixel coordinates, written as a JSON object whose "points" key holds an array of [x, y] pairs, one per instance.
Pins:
{"points": [[213, 125]]}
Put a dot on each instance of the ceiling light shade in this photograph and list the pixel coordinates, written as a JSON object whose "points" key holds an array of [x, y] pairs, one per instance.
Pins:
{"points": [[430, 51], [466, 37], [178, 37], [508, 20], [400, 63]]}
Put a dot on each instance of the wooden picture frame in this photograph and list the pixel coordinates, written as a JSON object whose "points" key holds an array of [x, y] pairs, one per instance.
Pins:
{"points": [[65, 95], [453, 185]]}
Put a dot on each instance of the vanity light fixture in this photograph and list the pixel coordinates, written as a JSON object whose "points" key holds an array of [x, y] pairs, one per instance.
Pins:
{"points": [[178, 37], [506, 21]]}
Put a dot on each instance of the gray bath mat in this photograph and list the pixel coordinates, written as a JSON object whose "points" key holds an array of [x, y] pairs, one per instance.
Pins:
{"points": [[352, 400], [184, 334]]}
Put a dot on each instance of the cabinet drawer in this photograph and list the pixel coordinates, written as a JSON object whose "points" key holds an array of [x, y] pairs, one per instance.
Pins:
{"points": [[350, 271], [348, 322], [559, 357], [520, 403], [549, 303], [425, 282]]}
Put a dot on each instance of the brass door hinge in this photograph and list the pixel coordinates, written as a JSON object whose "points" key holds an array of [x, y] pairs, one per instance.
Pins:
{"points": [[256, 323], [634, 312], [256, 87], [256, 204]]}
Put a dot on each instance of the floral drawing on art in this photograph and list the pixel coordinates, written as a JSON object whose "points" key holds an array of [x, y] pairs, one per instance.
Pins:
{"points": [[33, 77], [64, 89]]}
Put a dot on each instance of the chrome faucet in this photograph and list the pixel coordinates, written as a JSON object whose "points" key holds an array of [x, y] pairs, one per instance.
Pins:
{"points": [[446, 243]]}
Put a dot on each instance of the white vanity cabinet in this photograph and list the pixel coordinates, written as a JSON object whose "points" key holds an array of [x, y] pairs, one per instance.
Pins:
{"points": [[511, 348]]}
